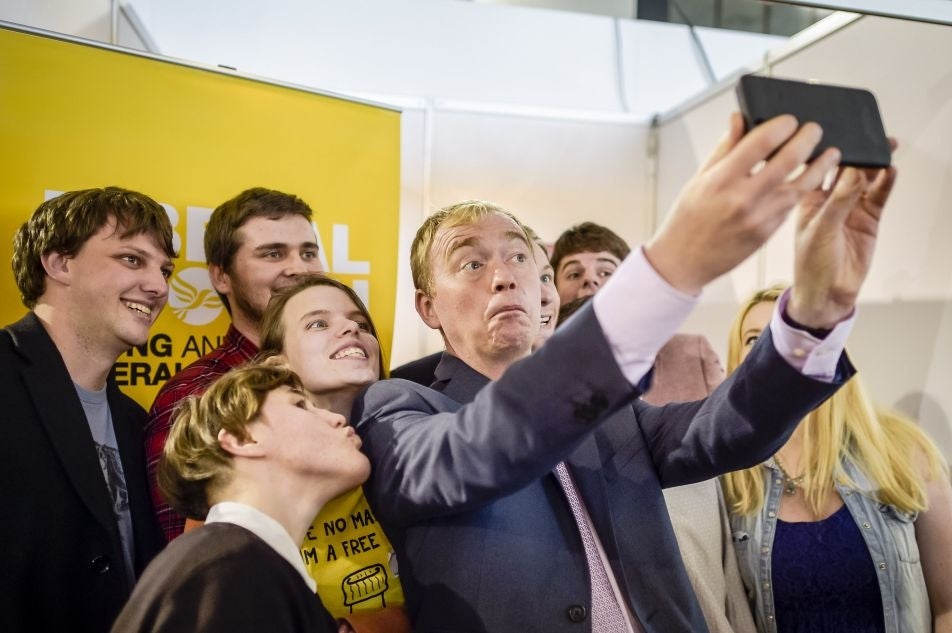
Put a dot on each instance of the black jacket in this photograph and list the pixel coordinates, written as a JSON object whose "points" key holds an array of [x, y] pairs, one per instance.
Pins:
{"points": [[62, 563]]}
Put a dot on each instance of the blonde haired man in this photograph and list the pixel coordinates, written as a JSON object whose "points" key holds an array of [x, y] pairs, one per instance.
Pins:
{"points": [[523, 493]]}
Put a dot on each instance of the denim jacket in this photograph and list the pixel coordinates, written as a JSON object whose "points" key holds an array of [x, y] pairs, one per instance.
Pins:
{"points": [[889, 535]]}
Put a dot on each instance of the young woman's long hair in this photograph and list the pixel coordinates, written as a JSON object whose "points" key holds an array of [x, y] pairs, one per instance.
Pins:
{"points": [[893, 453]]}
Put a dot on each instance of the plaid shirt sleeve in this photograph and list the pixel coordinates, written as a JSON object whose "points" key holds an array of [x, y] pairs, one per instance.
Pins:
{"points": [[234, 350], [156, 431]]}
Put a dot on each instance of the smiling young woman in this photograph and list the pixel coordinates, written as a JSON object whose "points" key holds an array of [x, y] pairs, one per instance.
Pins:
{"points": [[323, 331]]}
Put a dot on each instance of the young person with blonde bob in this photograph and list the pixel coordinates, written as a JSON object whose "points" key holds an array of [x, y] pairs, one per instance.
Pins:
{"points": [[323, 331], [849, 525], [256, 460]]}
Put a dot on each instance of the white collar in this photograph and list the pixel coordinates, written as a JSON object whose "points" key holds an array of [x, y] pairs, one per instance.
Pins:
{"points": [[265, 528]]}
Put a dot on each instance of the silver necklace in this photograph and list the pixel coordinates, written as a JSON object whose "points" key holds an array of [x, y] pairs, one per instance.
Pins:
{"points": [[790, 484]]}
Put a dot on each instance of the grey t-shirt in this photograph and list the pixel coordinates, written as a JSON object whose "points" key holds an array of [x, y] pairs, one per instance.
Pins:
{"points": [[99, 418]]}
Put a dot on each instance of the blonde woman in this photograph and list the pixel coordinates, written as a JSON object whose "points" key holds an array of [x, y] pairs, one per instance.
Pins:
{"points": [[829, 531]]}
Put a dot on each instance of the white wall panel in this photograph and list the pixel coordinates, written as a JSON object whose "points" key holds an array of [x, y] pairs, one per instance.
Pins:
{"points": [[451, 50], [662, 67], [84, 18], [414, 47], [903, 340], [550, 173]]}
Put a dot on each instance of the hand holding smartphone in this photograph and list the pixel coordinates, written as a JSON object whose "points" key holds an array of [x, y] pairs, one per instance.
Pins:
{"points": [[849, 116]]}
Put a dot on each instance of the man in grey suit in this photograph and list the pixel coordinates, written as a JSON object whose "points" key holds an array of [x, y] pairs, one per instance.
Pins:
{"points": [[523, 493]]}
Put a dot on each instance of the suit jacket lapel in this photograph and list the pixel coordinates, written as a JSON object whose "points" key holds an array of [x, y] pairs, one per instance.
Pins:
{"points": [[585, 465], [61, 413], [458, 380]]}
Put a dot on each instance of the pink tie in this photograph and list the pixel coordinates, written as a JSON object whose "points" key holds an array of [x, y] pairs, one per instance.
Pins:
{"points": [[606, 614]]}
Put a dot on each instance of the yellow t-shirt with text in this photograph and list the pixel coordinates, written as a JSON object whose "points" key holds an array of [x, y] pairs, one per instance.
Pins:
{"points": [[351, 559]]}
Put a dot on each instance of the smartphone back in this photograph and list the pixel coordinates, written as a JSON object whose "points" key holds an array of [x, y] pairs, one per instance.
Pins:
{"points": [[849, 116]]}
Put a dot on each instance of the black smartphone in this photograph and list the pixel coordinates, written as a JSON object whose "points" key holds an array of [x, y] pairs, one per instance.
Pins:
{"points": [[849, 116]]}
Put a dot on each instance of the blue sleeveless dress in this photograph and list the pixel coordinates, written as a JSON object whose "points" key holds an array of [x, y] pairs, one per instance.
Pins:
{"points": [[823, 578]]}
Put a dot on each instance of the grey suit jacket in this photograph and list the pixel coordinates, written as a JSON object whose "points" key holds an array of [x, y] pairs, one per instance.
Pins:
{"points": [[62, 563], [485, 539]]}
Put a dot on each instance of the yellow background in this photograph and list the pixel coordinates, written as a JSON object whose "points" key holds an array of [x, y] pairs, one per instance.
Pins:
{"points": [[75, 116]]}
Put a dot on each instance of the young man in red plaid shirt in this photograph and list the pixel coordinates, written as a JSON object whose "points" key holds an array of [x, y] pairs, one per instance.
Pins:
{"points": [[255, 243]]}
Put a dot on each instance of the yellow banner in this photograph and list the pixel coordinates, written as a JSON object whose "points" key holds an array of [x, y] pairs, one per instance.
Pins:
{"points": [[75, 116]]}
